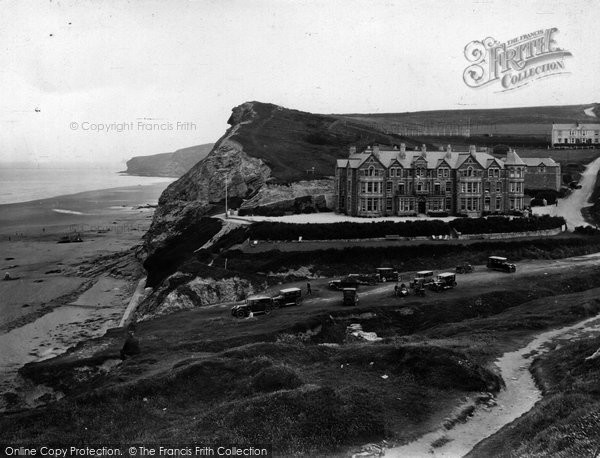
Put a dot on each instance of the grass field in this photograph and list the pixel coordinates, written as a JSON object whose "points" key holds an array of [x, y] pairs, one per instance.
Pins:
{"points": [[204, 378]]}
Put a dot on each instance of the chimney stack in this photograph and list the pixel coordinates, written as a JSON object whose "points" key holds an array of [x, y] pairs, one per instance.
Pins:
{"points": [[448, 148], [375, 149], [472, 149], [402, 153], [352, 150], [423, 147]]}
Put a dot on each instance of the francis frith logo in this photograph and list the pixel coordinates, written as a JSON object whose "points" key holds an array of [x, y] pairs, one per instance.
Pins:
{"points": [[516, 62]]}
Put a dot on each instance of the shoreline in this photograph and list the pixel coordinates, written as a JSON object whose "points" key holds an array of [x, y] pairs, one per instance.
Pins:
{"points": [[61, 294]]}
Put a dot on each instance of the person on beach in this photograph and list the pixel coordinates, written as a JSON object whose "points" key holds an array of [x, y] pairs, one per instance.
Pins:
{"points": [[308, 289], [131, 347]]}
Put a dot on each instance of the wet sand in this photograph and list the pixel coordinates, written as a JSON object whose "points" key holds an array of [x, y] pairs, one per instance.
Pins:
{"points": [[63, 293], [45, 271]]}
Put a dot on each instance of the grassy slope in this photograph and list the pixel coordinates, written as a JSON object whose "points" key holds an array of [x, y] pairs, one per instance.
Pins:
{"points": [[522, 115], [203, 377], [292, 142]]}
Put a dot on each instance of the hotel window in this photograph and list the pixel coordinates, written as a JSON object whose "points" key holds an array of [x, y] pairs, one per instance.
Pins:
{"points": [[400, 188], [371, 171], [499, 186], [498, 203], [388, 187], [419, 186], [448, 186], [388, 204], [487, 186], [463, 204], [448, 203], [463, 187]]}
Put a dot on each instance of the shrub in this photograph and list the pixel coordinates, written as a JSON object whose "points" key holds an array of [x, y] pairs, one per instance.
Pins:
{"points": [[587, 230], [276, 378]]}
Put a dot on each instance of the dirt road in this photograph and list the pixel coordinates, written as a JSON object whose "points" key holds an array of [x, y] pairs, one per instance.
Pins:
{"points": [[570, 208]]}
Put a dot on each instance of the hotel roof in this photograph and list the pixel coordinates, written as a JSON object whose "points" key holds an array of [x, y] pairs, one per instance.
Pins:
{"points": [[454, 159]]}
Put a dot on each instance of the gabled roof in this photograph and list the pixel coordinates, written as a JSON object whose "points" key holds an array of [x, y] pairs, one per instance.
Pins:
{"points": [[512, 158], [537, 161], [434, 159]]}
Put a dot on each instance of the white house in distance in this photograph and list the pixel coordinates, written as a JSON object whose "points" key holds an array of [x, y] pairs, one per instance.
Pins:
{"points": [[576, 134]]}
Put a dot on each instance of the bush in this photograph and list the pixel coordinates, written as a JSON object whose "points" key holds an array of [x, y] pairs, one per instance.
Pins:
{"points": [[587, 230], [276, 378]]}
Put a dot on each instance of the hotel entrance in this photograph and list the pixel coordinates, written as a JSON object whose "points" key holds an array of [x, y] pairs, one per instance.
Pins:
{"points": [[421, 206]]}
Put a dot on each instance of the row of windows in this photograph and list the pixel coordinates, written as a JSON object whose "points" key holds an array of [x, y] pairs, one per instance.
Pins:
{"points": [[577, 132], [575, 140], [469, 187], [442, 172]]}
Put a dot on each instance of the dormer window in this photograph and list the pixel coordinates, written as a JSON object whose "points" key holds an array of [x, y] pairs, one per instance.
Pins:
{"points": [[371, 171]]}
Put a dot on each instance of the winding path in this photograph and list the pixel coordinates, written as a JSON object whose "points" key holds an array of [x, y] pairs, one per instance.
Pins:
{"points": [[570, 208]]}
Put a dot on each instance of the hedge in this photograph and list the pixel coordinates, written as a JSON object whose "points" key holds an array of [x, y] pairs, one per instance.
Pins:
{"points": [[335, 231]]}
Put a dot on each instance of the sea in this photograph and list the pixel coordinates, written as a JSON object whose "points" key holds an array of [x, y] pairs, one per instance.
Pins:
{"points": [[24, 182]]}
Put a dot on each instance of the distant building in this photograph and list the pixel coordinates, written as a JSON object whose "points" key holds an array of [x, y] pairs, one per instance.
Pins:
{"points": [[576, 134], [542, 173], [384, 181]]}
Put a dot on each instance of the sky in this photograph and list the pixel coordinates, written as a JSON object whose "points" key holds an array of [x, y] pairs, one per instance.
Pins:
{"points": [[69, 69]]}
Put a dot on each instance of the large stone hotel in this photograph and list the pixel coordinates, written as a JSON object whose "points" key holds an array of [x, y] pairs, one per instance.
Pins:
{"points": [[385, 181]]}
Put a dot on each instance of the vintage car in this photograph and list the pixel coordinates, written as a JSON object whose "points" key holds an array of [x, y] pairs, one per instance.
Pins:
{"points": [[443, 281], [254, 304], [288, 296], [500, 263], [465, 268], [341, 283], [364, 279], [422, 278], [385, 274], [350, 296]]}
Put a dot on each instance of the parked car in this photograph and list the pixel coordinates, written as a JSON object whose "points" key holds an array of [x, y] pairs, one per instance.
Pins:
{"points": [[341, 283], [254, 304], [445, 280], [465, 268], [422, 278], [500, 263], [288, 296], [350, 296], [364, 279], [386, 274]]}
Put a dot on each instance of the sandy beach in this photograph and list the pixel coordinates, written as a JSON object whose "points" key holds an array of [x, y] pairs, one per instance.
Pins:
{"points": [[62, 293]]}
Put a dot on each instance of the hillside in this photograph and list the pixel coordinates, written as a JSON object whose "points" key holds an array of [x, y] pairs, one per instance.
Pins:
{"points": [[275, 146], [168, 164], [479, 118]]}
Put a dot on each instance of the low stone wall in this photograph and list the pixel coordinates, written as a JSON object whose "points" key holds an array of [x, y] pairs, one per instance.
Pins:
{"points": [[512, 235]]}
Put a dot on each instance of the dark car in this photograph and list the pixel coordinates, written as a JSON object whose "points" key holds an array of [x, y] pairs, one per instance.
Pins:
{"points": [[288, 296], [443, 281], [341, 283], [422, 278], [500, 263], [254, 304], [350, 296], [385, 274], [464, 269]]}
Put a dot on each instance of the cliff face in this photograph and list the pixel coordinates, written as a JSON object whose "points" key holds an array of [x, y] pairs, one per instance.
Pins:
{"points": [[168, 164], [293, 151]]}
